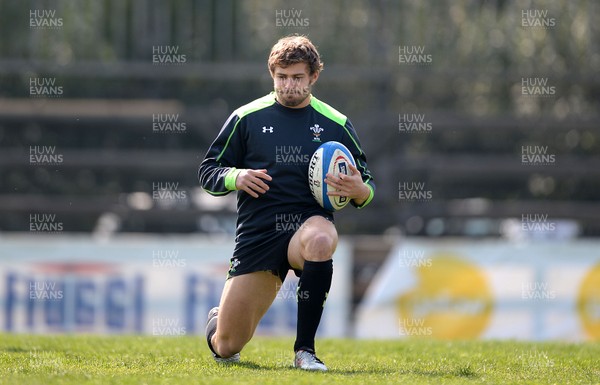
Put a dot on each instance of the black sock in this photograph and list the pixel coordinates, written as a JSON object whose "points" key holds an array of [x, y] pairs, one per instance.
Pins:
{"points": [[313, 287]]}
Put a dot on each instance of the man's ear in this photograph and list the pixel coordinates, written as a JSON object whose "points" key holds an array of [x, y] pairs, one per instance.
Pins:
{"points": [[313, 78]]}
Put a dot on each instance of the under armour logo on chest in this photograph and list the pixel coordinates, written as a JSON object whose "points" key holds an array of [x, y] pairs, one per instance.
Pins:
{"points": [[269, 130]]}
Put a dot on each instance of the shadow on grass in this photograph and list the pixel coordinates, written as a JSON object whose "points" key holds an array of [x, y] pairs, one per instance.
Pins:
{"points": [[277, 367], [466, 371], [463, 371]]}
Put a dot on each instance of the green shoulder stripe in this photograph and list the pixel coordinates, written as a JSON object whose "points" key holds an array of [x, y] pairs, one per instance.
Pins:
{"points": [[328, 111], [255, 105], [258, 104]]}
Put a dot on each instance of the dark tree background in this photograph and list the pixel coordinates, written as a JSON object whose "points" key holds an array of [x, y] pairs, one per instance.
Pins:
{"points": [[467, 90]]}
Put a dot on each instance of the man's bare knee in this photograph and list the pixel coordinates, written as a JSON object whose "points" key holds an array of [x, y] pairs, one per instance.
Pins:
{"points": [[319, 247], [226, 346]]}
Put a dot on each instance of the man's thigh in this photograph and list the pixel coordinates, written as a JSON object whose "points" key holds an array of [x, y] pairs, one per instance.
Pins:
{"points": [[245, 300], [313, 226]]}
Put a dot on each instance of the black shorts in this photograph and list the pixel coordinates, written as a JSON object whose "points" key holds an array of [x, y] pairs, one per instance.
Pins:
{"points": [[269, 252]]}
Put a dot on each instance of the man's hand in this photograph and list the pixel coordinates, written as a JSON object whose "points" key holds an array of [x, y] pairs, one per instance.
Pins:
{"points": [[350, 186], [252, 182]]}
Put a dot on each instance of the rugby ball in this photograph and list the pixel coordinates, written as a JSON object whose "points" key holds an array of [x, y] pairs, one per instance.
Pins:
{"points": [[334, 158]]}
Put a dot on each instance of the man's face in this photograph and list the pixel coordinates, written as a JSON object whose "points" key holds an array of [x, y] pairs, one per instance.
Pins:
{"points": [[293, 84]]}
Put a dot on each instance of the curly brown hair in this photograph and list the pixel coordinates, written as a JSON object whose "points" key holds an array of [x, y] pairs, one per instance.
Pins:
{"points": [[295, 49]]}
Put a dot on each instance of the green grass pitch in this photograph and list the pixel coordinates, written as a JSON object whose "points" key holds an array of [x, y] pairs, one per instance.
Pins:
{"points": [[49, 360]]}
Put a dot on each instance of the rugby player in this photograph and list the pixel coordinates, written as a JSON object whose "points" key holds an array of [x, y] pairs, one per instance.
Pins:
{"points": [[246, 157]]}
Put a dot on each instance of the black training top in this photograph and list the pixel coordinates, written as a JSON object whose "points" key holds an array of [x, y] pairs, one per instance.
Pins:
{"points": [[266, 135]]}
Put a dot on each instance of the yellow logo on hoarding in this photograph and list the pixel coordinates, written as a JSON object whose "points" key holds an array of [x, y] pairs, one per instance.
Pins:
{"points": [[588, 303], [451, 300]]}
